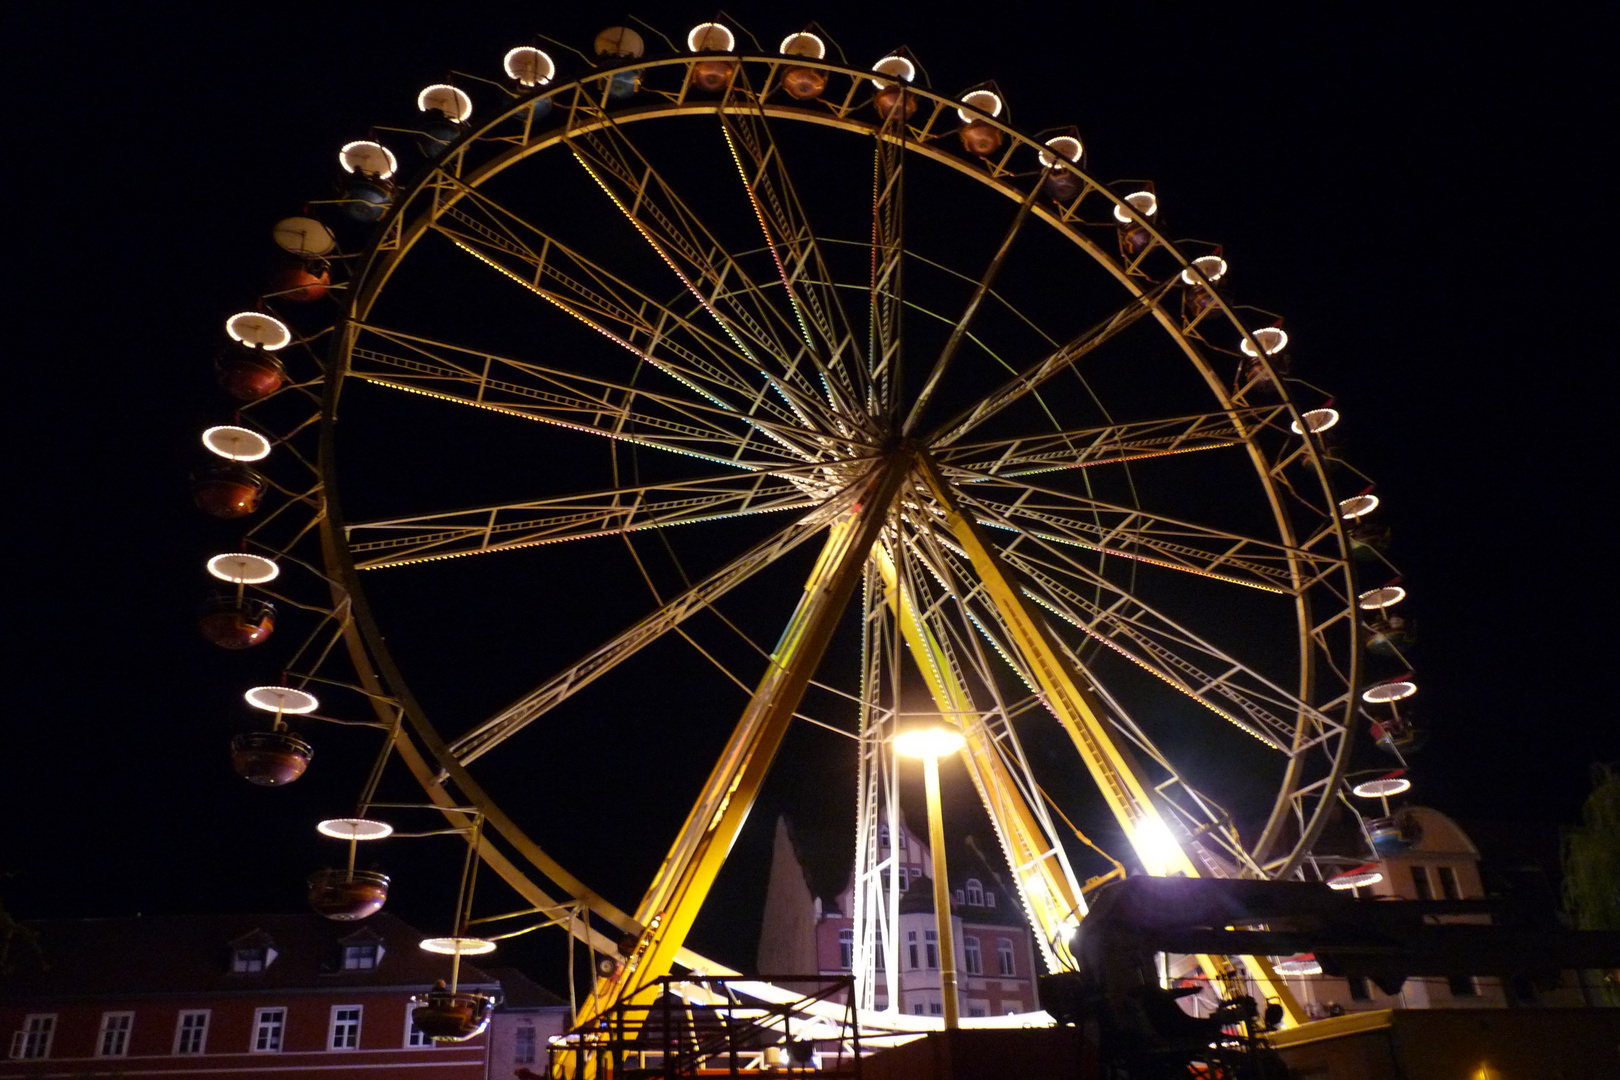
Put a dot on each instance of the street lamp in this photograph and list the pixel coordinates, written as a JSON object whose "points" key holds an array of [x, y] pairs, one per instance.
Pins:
{"points": [[930, 743]]}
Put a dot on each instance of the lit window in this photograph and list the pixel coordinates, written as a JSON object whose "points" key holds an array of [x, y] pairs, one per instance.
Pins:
{"points": [[972, 959], [911, 947], [34, 1040], [1420, 882], [975, 892], [523, 1046], [250, 958], [1449, 888], [361, 957], [345, 1028], [268, 1027], [931, 944], [114, 1038], [846, 949], [191, 1033], [1004, 957]]}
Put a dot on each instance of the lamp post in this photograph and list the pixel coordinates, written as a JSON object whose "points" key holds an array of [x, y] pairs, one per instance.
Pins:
{"points": [[929, 744]]}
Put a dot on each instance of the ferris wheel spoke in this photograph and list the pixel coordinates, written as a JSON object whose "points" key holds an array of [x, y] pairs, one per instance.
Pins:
{"points": [[824, 324], [473, 378], [710, 367], [679, 238], [509, 721], [1060, 360], [1070, 519], [887, 298], [482, 530], [1106, 444]]}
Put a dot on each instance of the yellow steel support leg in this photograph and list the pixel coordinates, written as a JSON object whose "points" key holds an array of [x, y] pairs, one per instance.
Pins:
{"points": [[683, 881], [1050, 895], [1125, 789]]}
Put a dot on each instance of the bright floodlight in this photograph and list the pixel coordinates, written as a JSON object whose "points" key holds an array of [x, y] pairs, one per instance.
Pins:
{"points": [[925, 742], [1066, 147], [529, 66], [1145, 203], [281, 699], [258, 331], [1316, 420], [1358, 506], [372, 159], [1156, 847], [985, 101], [354, 828], [710, 37], [1270, 339], [1383, 787], [1375, 599], [1213, 267], [240, 568], [451, 946], [1390, 691], [896, 67], [236, 443], [803, 44], [445, 98]]}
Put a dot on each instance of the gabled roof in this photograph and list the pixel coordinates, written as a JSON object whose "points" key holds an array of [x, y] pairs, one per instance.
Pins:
{"points": [[147, 955], [519, 992]]}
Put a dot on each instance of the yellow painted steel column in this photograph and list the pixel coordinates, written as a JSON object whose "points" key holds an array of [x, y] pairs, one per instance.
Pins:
{"points": [[672, 902], [1124, 788]]}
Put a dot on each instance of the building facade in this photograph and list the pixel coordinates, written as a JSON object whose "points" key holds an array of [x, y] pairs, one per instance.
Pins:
{"points": [[995, 959], [209, 996]]}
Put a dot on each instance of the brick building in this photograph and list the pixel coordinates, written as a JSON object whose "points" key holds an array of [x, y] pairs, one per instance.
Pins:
{"points": [[995, 957], [227, 995]]}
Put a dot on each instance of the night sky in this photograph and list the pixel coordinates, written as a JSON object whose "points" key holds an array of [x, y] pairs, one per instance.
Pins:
{"points": [[1418, 195]]}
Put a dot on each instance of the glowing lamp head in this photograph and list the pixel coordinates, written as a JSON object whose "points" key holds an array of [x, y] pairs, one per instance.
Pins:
{"points": [[281, 699], [1380, 598], [1358, 878], [528, 66], [1382, 788], [1145, 203], [933, 741], [1384, 693], [368, 158], [258, 331], [1316, 420], [454, 946], [1156, 847], [444, 98], [710, 37], [803, 44], [1213, 267], [236, 443], [1064, 147], [353, 828], [895, 67], [1271, 339], [241, 568], [1358, 506], [985, 101]]}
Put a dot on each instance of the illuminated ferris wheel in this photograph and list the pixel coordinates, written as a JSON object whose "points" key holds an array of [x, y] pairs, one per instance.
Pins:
{"points": [[920, 418]]}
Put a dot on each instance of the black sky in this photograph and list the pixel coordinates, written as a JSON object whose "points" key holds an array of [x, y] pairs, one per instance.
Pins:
{"points": [[1419, 195]]}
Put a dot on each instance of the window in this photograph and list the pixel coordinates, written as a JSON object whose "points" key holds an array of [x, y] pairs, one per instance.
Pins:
{"points": [[911, 947], [414, 1036], [989, 899], [975, 1010], [345, 1028], [1358, 989], [960, 900], [972, 960], [114, 1038], [34, 1040], [191, 1033], [1448, 883], [1463, 986], [901, 878], [919, 1010], [1004, 957], [931, 946], [935, 1008], [250, 958], [846, 949], [523, 1046], [1420, 882], [975, 892], [883, 835], [361, 957], [268, 1026]]}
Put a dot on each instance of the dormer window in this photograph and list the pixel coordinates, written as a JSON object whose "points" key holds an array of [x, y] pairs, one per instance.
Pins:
{"points": [[251, 958], [975, 892], [361, 957]]}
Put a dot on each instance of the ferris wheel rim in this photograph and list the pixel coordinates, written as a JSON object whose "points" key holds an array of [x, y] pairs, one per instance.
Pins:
{"points": [[374, 284]]}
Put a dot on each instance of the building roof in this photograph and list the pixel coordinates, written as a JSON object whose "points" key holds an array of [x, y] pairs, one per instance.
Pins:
{"points": [[155, 955], [519, 992]]}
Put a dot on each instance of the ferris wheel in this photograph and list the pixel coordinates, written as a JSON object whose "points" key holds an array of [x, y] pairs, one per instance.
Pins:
{"points": [[762, 371]]}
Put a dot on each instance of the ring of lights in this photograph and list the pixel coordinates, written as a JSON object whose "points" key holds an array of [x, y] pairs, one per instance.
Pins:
{"points": [[1308, 545]]}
